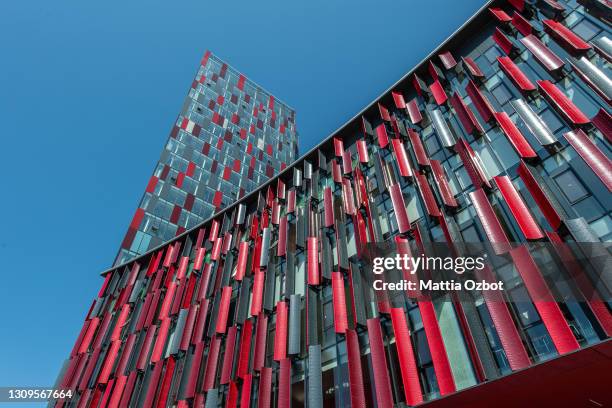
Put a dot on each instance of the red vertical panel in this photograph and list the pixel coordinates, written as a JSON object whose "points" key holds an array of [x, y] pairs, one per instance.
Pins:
{"points": [[264, 399], [91, 329], [521, 24], [438, 92], [160, 342], [338, 147], [328, 207], [562, 103], [200, 325], [280, 334], [258, 284], [437, 350], [419, 149], [281, 250], [109, 362], [603, 121], [125, 311], [381, 134], [284, 384], [138, 216], [228, 356], [199, 259], [515, 137], [232, 395], [362, 150], [211, 364], [384, 113], [216, 250], [472, 67], [440, 177], [151, 185], [590, 153], [528, 225], [550, 213], [466, 116], [127, 392], [214, 231], [428, 198], [355, 372], [189, 325], [447, 59], [195, 370], [245, 349], [566, 37], [490, 223], [402, 158], [399, 207], [413, 112], [347, 197], [241, 264], [504, 325], [115, 396], [384, 397], [339, 303], [336, 173], [483, 106], [410, 375], [153, 383], [347, 164], [245, 397], [261, 333], [500, 15], [224, 303], [162, 396], [165, 307], [291, 201], [182, 269], [547, 307], [515, 74], [504, 42], [398, 98], [125, 354], [313, 261]]}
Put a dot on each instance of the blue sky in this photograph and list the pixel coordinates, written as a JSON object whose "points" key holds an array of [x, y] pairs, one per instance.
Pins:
{"points": [[89, 91]]}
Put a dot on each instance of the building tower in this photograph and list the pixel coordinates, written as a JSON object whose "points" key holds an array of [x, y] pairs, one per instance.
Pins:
{"points": [[230, 136]]}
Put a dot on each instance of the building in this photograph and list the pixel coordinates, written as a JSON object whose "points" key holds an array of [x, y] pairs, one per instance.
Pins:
{"points": [[230, 136], [500, 135]]}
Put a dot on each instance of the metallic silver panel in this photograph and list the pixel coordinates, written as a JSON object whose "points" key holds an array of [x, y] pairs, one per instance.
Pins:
{"points": [[265, 247], [444, 133], [314, 395], [178, 332], [604, 43], [535, 124], [295, 303], [594, 74], [241, 214], [136, 290], [297, 177], [212, 398], [307, 170]]}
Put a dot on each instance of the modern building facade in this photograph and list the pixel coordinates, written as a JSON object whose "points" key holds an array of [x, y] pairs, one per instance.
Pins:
{"points": [[501, 135], [230, 136]]}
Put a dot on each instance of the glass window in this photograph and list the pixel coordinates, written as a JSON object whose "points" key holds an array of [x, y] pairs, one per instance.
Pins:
{"points": [[571, 186], [502, 94], [603, 228], [586, 30]]}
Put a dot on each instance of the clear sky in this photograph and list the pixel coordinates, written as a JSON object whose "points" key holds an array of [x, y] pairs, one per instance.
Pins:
{"points": [[88, 94]]}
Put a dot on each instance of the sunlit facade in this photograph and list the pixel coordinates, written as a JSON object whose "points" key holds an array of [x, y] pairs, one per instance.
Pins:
{"points": [[501, 135]]}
